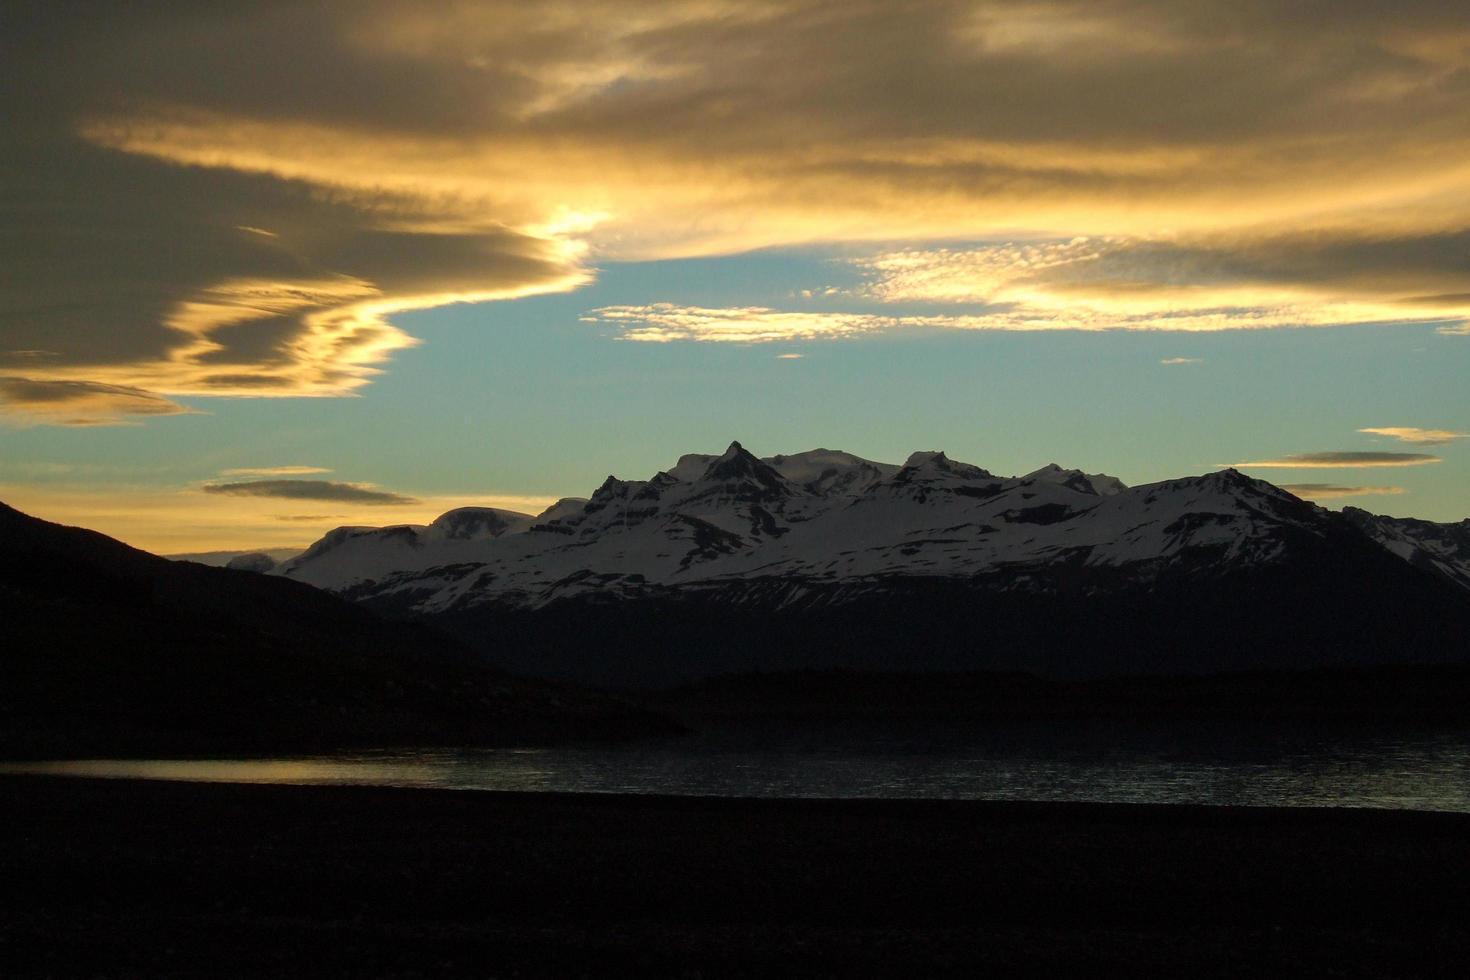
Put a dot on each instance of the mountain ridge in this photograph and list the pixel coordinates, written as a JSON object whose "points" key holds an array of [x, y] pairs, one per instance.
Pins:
{"points": [[1044, 570], [710, 519]]}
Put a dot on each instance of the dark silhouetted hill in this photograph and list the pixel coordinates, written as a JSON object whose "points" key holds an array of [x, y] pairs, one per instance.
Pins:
{"points": [[111, 650]]}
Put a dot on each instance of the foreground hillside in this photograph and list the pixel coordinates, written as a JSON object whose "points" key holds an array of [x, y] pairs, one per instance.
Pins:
{"points": [[732, 563], [113, 650]]}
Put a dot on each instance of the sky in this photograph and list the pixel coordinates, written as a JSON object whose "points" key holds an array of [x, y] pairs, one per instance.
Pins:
{"points": [[270, 268]]}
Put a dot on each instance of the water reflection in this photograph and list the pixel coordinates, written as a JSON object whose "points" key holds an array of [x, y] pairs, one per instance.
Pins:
{"points": [[1214, 763]]}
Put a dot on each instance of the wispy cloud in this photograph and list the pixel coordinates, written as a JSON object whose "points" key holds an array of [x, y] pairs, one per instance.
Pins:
{"points": [[1341, 460], [274, 471], [1182, 360], [1421, 437], [1333, 491], [1244, 281], [80, 403], [663, 322], [353, 493], [789, 357]]}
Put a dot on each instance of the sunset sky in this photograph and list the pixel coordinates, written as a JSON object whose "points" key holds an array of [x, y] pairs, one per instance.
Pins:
{"points": [[270, 268]]}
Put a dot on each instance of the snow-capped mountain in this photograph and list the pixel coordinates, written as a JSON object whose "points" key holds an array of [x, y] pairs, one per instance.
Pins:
{"points": [[814, 520], [727, 563]]}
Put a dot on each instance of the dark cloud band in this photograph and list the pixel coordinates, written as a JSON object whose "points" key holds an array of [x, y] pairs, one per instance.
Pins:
{"points": [[309, 490]]}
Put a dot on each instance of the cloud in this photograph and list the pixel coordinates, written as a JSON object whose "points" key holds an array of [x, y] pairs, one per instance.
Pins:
{"points": [[789, 357], [1250, 280], [1182, 360], [666, 322], [311, 518], [1421, 437], [663, 322], [274, 471], [1341, 460], [353, 493], [206, 205], [1333, 491], [79, 403]]}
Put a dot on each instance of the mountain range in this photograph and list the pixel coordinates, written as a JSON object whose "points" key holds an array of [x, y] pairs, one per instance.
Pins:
{"points": [[730, 562]]}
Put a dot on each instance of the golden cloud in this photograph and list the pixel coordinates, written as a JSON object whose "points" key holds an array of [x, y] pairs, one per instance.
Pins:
{"points": [[1205, 283], [663, 322], [209, 205], [292, 470], [1421, 437], [1341, 460]]}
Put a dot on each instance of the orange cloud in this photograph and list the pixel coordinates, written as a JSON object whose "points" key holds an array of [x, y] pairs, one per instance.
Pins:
{"points": [[1421, 437], [274, 470], [663, 322], [1201, 283]]}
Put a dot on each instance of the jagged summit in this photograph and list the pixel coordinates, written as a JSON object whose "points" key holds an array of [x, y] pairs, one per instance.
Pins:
{"points": [[733, 462], [738, 473]]}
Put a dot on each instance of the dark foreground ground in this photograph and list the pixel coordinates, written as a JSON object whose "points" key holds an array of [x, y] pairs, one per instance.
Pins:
{"points": [[125, 879]]}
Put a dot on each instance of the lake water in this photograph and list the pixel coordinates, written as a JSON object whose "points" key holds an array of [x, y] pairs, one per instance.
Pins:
{"points": [[1209, 763]]}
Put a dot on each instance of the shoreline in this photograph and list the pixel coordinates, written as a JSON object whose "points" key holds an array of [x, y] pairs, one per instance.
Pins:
{"points": [[116, 876], [13, 769]]}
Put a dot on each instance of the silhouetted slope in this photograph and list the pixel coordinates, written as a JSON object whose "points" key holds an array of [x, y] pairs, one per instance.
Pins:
{"points": [[111, 649]]}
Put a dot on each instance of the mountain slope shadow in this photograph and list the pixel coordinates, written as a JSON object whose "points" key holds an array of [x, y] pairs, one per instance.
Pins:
{"points": [[1338, 602]]}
